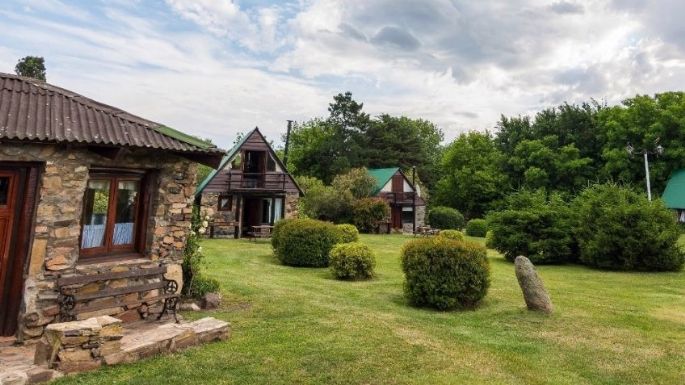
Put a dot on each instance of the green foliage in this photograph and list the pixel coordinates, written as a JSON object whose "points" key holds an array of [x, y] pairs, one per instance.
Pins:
{"points": [[324, 202], [474, 180], [203, 172], [452, 234], [357, 181], [535, 226], [476, 227], [348, 138], [348, 233], [445, 218], [195, 284], [445, 274], [352, 261], [621, 230], [277, 232], [201, 285], [488, 239], [366, 212], [31, 67], [305, 242]]}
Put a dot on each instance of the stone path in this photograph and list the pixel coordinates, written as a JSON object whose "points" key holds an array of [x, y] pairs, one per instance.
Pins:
{"points": [[141, 340]]}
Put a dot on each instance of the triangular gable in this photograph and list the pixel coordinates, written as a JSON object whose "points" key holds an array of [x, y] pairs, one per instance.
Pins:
{"points": [[231, 154]]}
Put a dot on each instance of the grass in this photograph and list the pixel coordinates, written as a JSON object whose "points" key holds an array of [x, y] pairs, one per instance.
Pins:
{"points": [[300, 326]]}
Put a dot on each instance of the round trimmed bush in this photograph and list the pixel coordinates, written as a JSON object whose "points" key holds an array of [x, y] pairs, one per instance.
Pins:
{"points": [[352, 260], [348, 233], [452, 234], [305, 242], [445, 218], [277, 232], [534, 226], [620, 229], [445, 274], [476, 228]]}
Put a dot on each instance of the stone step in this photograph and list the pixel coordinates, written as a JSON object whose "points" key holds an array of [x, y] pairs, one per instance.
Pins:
{"points": [[27, 376], [168, 338]]}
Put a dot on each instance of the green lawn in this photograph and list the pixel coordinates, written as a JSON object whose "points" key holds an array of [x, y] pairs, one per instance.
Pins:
{"points": [[300, 326]]}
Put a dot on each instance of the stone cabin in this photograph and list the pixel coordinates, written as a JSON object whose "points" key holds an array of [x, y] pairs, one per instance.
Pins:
{"points": [[88, 190], [250, 188], [407, 207]]}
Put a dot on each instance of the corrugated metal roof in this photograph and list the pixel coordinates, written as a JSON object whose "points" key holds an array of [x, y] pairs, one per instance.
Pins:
{"points": [[674, 195], [35, 111], [382, 177]]}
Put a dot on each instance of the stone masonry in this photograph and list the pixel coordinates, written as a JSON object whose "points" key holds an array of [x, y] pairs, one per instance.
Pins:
{"points": [[54, 250]]}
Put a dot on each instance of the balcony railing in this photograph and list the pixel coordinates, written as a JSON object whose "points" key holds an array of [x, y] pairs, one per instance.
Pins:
{"points": [[271, 181], [398, 197]]}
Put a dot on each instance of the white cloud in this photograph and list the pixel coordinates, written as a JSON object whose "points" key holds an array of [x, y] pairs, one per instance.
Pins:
{"points": [[215, 67]]}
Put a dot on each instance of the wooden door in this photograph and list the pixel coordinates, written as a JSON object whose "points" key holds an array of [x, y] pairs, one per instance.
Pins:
{"points": [[9, 181], [396, 217]]}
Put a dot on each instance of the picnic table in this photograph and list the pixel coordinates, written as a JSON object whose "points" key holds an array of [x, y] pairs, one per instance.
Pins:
{"points": [[426, 231], [261, 231]]}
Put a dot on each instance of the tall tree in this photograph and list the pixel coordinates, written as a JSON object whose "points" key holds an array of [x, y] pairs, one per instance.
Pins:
{"points": [[31, 67], [474, 181]]}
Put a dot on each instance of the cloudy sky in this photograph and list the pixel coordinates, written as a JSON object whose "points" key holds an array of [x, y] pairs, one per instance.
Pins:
{"points": [[217, 67]]}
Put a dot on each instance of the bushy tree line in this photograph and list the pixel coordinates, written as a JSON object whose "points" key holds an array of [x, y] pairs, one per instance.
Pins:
{"points": [[563, 150]]}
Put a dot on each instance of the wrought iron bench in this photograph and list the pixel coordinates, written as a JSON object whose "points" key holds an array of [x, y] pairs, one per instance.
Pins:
{"points": [[72, 302]]}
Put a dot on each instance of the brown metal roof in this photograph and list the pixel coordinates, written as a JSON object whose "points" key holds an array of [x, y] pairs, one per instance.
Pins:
{"points": [[31, 110]]}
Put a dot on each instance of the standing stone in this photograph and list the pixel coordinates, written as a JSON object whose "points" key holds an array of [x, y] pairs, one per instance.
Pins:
{"points": [[534, 292]]}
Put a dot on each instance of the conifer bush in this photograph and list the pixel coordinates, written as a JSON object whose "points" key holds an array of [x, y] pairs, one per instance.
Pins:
{"points": [[452, 234], [352, 261], [348, 233], [620, 229], [305, 242], [445, 274], [476, 228], [445, 218]]}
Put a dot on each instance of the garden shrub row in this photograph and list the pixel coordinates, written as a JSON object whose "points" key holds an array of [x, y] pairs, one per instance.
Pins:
{"points": [[605, 226]]}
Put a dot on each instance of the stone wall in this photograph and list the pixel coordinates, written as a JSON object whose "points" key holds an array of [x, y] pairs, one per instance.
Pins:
{"points": [[55, 247]]}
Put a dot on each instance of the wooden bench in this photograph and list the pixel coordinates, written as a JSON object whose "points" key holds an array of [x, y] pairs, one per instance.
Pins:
{"points": [[72, 302]]}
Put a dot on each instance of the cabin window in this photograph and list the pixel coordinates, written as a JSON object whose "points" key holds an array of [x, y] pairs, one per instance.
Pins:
{"points": [[112, 208], [226, 203], [4, 190], [407, 215]]}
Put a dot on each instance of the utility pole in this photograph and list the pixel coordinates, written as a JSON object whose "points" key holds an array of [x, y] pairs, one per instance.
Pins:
{"points": [[658, 150], [287, 142]]}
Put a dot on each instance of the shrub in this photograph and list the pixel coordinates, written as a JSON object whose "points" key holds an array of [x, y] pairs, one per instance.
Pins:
{"points": [[305, 242], [445, 218], [488, 240], [202, 285], [445, 274], [352, 260], [277, 232], [452, 234], [348, 233], [476, 227], [620, 229], [366, 212], [534, 226]]}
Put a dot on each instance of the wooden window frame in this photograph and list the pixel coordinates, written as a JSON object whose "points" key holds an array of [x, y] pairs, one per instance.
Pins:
{"points": [[109, 250], [230, 203]]}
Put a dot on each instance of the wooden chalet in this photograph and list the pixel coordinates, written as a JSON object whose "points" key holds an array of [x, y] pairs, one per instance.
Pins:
{"points": [[407, 207], [251, 188]]}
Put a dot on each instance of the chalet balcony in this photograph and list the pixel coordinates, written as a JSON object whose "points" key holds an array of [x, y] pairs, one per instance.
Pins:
{"points": [[269, 181], [401, 198]]}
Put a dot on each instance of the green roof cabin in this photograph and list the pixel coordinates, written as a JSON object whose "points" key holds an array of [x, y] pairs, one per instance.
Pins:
{"points": [[674, 195], [407, 207]]}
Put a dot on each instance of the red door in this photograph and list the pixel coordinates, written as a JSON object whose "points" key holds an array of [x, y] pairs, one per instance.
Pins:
{"points": [[396, 217], [9, 181]]}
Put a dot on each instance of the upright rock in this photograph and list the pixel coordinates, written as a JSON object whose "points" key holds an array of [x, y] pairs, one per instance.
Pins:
{"points": [[534, 292]]}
